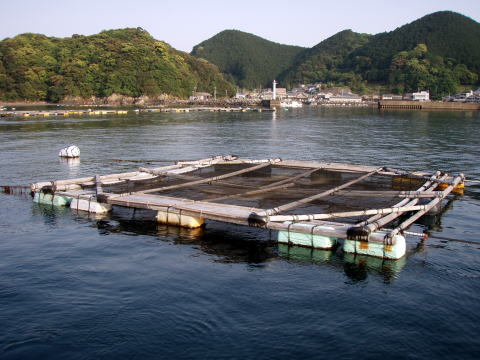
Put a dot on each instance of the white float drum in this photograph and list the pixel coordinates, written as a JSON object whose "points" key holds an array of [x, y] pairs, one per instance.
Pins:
{"points": [[71, 151]]}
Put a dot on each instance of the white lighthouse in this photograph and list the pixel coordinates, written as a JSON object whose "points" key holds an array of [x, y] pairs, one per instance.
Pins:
{"points": [[274, 97]]}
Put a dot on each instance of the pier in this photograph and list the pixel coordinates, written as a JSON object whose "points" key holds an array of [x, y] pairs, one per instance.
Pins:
{"points": [[427, 105]]}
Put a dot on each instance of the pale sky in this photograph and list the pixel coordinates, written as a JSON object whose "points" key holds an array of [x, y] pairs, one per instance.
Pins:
{"points": [[186, 23]]}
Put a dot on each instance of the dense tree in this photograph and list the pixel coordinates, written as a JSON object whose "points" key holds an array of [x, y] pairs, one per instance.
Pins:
{"points": [[419, 70], [445, 33], [127, 61], [321, 62], [248, 60]]}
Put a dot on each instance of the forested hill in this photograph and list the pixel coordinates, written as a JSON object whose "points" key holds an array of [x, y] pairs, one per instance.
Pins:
{"points": [[126, 61], [321, 61], [451, 36], [439, 52], [249, 60]]}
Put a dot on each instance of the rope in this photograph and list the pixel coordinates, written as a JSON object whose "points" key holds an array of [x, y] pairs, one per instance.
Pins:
{"points": [[288, 233], [425, 236], [168, 209], [311, 232]]}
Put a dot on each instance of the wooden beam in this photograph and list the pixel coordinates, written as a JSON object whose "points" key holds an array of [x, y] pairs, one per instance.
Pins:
{"points": [[212, 160], [388, 194], [377, 221], [309, 199], [195, 178], [310, 217], [209, 180], [90, 180], [282, 184], [457, 180]]}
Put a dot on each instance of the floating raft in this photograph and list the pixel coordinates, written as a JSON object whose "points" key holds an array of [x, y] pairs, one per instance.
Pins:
{"points": [[50, 113], [311, 204], [206, 109]]}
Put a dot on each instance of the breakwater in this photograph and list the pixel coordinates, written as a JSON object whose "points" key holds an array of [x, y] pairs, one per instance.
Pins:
{"points": [[427, 105]]}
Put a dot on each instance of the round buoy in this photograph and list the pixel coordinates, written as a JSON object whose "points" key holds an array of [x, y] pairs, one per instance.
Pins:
{"points": [[71, 151]]}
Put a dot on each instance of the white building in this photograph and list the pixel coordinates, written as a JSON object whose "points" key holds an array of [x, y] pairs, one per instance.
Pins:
{"points": [[467, 96], [346, 98], [392, 97], [200, 96], [420, 96]]}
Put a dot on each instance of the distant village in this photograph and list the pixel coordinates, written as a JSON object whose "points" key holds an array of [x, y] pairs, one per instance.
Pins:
{"points": [[318, 94]]}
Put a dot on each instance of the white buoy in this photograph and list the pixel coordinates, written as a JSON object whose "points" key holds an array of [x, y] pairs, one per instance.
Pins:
{"points": [[71, 151]]}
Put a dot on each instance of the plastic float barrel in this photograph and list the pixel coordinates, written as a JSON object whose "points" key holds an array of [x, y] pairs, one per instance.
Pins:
{"points": [[307, 239], [88, 203], [394, 252], [459, 189], [178, 219], [46, 198], [71, 151]]}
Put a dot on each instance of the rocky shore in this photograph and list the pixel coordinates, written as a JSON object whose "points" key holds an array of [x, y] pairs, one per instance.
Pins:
{"points": [[141, 101]]}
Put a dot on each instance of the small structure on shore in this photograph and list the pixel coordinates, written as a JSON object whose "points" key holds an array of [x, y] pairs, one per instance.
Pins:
{"points": [[311, 204]]}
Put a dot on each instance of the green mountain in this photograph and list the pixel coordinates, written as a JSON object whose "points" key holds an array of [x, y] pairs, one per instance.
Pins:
{"points": [[248, 60], [439, 52], [320, 63], [449, 35], [126, 61]]}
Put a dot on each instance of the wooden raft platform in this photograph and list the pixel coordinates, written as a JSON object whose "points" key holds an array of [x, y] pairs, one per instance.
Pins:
{"points": [[310, 203], [90, 112]]}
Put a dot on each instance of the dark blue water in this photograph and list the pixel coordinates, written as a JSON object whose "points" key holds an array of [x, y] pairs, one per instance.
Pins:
{"points": [[74, 287]]}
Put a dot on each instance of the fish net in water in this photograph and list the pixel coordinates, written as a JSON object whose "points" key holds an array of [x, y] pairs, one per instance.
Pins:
{"points": [[272, 186]]}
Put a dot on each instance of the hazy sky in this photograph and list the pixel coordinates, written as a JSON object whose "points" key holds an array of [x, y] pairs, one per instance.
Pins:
{"points": [[185, 23]]}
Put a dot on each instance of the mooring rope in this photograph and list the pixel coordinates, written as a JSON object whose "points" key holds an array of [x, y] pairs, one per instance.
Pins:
{"points": [[89, 202], [288, 233], [426, 236]]}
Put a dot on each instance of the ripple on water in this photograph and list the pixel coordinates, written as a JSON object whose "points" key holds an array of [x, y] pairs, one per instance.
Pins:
{"points": [[73, 286]]}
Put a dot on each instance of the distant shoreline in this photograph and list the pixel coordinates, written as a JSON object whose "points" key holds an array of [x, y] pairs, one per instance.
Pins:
{"points": [[244, 103], [140, 103]]}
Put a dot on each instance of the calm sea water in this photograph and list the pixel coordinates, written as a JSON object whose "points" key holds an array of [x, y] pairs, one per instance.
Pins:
{"points": [[73, 287]]}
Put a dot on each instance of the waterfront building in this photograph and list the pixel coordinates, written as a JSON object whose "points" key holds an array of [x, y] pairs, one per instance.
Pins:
{"points": [[346, 98], [421, 96], [200, 96]]}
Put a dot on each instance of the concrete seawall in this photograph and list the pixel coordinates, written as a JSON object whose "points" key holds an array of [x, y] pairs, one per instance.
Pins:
{"points": [[427, 105]]}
